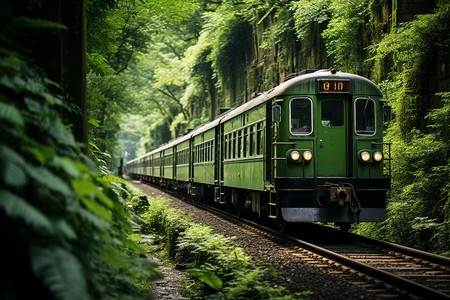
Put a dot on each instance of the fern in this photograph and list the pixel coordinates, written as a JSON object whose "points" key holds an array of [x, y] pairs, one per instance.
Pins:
{"points": [[14, 175], [60, 271], [11, 115], [17, 208], [47, 179]]}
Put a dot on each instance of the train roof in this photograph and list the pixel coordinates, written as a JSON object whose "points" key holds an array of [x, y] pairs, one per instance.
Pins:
{"points": [[307, 84]]}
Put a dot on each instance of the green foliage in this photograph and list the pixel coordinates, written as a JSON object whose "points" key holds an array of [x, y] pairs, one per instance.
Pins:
{"points": [[418, 210], [206, 277], [412, 47], [73, 225], [307, 14], [419, 206], [281, 32], [344, 36], [213, 259], [64, 226]]}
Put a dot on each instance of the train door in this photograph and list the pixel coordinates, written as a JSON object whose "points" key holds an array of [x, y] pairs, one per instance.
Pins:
{"points": [[331, 136]]}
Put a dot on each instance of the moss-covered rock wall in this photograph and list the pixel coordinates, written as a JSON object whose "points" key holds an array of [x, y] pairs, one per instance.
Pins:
{"points": [[293, 36]]}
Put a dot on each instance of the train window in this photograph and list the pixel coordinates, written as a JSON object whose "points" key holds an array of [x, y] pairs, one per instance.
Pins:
{"points": [[196, 154], [208, 157], [239, 144], [252, 141], [301, 116], [245, 142], [230, 144], [225, 147], [209, 151], [203, 153], [259, 139], [332, 113], [365, 116], [234, 145]]}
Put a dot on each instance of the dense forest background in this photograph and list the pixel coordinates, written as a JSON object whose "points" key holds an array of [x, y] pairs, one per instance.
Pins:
{"points": [[152, 76], [86, 83]]}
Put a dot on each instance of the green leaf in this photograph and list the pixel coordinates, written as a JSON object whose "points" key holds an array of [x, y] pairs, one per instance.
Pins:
{"points": [[60, 271], [207, 277], [64, 229], [86, 190], [14, 175], [84, 187], [41, 153], [67, 165], [17, 208], [22, 23], [11, 114], [62, 135], [93, 122], [96, 208], [47, 179]]}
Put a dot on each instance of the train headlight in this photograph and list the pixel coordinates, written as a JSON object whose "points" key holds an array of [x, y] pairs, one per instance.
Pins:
{"points": [[307, 155], [365, 156], [294, 155], [377, 156]]}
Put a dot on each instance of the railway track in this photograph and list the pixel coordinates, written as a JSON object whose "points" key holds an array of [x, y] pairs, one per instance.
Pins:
{"points": [[389, 270]]}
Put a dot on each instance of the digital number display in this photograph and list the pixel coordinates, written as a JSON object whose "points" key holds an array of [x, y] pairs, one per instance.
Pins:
{"points": [[333, 86]]}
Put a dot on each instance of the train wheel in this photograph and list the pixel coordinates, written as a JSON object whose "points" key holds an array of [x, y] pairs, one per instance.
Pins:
{"points": [[239, 210], [229, 208], [281, 225]]}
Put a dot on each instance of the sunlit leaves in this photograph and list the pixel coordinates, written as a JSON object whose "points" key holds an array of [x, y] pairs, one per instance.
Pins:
{"points": [[206, 277], [307, 13]]}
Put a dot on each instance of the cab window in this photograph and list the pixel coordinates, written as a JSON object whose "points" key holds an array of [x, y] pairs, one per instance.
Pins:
{"points": [[365, 116], [332, 114], [300, 117]]}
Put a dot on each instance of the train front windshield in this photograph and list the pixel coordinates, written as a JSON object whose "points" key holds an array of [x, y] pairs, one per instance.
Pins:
{"points": [[365, 116], [300, 121]]}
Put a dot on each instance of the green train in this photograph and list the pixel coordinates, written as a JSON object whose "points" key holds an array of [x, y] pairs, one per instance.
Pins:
{"points": [[308, 150]]}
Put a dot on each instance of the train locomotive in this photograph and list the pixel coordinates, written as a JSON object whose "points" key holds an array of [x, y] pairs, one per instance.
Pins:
{"points": [[308, 150]]}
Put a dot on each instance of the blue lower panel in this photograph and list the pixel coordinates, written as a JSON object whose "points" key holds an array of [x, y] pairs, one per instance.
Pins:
{"points": [[329, 214]]}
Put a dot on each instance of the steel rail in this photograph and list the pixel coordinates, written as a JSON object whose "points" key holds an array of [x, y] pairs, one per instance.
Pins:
{"points": [[399, 282], [405, 284], [441, 260]]}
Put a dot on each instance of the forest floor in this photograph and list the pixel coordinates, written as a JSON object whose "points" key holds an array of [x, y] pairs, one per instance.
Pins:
{"points": [[167, 288]]}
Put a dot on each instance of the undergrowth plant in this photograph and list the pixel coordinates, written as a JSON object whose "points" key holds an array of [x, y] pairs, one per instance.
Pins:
{"points": [[224, 269]]}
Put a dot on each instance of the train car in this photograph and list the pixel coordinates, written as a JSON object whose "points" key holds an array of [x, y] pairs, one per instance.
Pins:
{"points": [[182, 164], [309, 150]]}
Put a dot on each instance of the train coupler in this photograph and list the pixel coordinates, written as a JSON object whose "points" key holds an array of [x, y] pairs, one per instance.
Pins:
{"points": [[334, 193], [341, 195]]}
